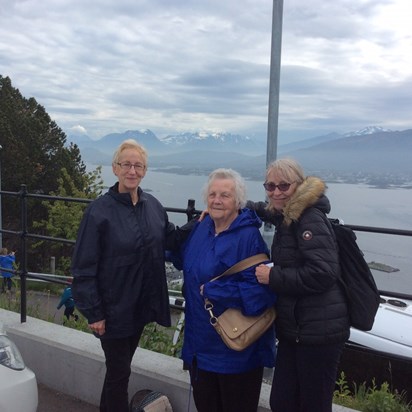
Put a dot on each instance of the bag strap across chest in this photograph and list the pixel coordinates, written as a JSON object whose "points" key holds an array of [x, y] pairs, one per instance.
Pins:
{"points": [[243, 264]]}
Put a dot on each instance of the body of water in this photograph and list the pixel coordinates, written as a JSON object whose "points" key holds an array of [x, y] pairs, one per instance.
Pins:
{"points": [[356, 204]]}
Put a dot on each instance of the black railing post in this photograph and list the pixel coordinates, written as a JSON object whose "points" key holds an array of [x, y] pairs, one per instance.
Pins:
{"points": [[190, 209], [23, 254]]}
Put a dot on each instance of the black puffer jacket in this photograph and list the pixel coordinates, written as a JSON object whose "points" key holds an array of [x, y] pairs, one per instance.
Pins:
{"points": [[311, 306]]}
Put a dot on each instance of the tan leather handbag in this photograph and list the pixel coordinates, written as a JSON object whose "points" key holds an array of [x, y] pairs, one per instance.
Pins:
{"points": [[237, 330]]}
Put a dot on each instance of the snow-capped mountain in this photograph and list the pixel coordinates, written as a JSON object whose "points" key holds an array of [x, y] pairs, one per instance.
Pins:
{"points": [[367, 130], [370, 149], [216, 140]]}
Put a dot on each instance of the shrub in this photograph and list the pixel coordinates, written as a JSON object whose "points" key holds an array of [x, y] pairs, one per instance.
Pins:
{"points": [[370, 399]]}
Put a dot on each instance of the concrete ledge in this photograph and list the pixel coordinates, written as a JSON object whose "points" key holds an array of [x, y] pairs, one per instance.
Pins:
{"points": [[72, 362]]}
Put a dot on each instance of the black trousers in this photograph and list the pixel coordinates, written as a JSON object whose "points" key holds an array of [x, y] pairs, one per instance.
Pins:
{"points": [[6, 284], [220, 392], [69, 312], [119, 354], [304, 377]]}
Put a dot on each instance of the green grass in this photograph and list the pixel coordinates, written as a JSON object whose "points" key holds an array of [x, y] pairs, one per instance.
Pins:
{"points": [[370, 399]]}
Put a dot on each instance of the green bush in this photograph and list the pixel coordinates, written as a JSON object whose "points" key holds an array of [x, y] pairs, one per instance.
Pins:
{"points": [[370, 399]]}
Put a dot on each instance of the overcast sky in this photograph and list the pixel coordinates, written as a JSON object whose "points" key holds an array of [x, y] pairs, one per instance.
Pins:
{"points": [[103, 66]]}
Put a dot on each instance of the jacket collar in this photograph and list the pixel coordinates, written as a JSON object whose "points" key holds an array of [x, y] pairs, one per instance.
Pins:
{"points": [[125, 197], [309, 193]]}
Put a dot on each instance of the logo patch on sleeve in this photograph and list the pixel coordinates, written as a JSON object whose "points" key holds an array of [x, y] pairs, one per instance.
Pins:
{"points": [[307, 235]]}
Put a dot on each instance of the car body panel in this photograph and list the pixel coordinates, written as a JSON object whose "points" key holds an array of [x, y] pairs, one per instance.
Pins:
{"points": [[18, 387]]}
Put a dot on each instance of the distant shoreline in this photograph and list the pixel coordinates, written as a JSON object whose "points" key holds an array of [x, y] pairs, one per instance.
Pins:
{"points": [[372, 181], [375, 181]]}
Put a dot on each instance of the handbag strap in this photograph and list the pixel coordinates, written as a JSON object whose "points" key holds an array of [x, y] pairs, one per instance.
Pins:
{"points": [[243, 264]]}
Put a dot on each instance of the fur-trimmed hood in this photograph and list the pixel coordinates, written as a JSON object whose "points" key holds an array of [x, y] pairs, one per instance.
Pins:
{"points": [[309, 193]]}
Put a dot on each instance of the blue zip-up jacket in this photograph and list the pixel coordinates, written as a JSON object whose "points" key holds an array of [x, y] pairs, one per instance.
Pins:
{"points": [[6, 262], [66, 298], [206, 256]]}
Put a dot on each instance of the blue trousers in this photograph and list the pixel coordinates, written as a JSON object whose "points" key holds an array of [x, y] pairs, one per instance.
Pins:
{"points": [[304, 377], [119, 354]]}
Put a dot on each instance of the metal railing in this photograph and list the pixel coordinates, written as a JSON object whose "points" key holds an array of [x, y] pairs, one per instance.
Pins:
{"points": [[190, 211], [24, 235]]}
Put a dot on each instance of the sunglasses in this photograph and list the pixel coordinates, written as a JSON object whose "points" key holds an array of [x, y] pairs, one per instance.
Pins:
{"points": [[271, 187]]}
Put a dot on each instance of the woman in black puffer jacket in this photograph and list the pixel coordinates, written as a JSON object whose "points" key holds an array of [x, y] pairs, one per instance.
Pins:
{"points": [[312, 322]]}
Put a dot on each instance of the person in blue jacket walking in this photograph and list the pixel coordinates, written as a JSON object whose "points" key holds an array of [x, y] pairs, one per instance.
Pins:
{"points": [[6, 262], [68, 301], [224, 380]]}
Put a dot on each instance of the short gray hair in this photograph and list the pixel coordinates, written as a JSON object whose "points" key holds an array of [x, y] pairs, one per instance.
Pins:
{"points": [[240, 185]]}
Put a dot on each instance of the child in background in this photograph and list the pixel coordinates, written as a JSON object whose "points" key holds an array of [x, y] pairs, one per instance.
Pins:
{"points": [[6, 262], [67, 300]]}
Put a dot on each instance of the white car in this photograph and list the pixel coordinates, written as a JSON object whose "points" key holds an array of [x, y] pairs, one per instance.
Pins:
{"points": [[18, 385]]}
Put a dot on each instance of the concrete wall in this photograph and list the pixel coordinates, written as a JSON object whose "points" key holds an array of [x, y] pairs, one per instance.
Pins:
{"points": [[72, 362]]}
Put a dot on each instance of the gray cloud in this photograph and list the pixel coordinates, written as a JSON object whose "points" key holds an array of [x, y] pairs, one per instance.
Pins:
{"points": [[170, 66]]}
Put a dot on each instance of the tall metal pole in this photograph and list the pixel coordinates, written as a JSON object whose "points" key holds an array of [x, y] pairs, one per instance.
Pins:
{"points": [[273, 111], [1, 217], [273, 115]]}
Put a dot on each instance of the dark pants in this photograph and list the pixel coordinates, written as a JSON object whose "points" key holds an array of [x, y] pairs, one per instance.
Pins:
{"points": [[6, 284], [119, 354], [219, 392], [304, 377], [69, 312]]}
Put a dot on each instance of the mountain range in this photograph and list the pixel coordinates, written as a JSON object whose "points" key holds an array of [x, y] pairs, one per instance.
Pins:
{"points": [[372, 150]]}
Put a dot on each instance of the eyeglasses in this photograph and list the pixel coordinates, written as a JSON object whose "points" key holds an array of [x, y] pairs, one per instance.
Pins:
{"points": [[128, 166], [271, 187]]}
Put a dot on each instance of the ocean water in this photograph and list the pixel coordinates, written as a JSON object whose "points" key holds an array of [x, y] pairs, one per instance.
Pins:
{"points": [[356, 204]]}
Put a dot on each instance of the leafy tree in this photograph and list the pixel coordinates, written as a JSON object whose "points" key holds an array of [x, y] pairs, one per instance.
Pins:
{"points": [[34, 152], [33, 146], [64, 216]]}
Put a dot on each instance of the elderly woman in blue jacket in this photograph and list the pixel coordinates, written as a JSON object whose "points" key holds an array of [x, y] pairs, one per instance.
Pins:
{"points": [[224, 380], [118, 267]]}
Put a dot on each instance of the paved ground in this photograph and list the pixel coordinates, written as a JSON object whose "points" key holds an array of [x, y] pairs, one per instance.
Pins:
{"points": [[53, 401]]}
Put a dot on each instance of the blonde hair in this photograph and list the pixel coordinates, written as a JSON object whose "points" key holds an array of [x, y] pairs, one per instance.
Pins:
{"points": [[129, 144], [240, 185], [288, 168]]}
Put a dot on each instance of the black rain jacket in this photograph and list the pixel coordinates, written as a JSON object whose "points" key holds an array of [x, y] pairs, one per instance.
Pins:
{"points": [[118, 263]]}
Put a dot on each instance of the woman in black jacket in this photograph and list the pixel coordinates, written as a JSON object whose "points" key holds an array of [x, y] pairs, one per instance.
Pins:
{"points": [[118, 267], [312, 322]]}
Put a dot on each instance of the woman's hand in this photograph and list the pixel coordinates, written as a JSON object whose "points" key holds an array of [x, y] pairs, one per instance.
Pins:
{"points": [[98, 327], [262, 273], [203, 215]]}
